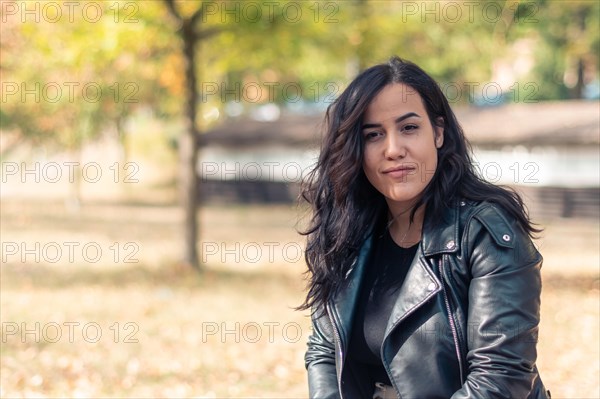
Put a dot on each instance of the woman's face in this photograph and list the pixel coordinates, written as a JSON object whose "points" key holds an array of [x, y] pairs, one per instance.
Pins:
{"points": [[400, 155]]}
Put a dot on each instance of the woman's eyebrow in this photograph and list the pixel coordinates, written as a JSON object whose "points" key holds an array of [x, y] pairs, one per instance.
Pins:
{"points": [[398, 120]]}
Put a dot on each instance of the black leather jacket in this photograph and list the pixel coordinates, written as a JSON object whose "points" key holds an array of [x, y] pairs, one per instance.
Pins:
{"points": [[465, 322]]}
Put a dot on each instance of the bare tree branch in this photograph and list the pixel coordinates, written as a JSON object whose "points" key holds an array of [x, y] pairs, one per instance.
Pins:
{"points": [[173, 10], [209, 32], [197, 15]]}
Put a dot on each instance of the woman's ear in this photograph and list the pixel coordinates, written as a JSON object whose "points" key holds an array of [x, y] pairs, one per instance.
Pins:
{"points": [[438, 129]]}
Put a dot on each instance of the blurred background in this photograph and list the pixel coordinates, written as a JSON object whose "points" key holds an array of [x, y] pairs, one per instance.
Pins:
{"points": [[151, 157]]}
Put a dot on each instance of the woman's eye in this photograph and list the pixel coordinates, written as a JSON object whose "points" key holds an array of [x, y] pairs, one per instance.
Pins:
{"points": [[371, 135], [410, 128]]}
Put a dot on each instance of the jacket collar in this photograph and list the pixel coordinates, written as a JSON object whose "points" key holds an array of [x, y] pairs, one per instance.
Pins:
{"points": [[441, 235]]}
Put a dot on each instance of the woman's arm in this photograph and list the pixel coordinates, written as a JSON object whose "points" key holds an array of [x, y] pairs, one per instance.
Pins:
{"points": [[320, 359], [504, 308]]}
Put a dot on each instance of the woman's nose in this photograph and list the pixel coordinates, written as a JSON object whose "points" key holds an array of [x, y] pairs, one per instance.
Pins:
{"points": [[394, 147]]}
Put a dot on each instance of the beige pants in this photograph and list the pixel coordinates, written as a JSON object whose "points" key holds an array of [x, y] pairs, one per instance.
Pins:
{"points": [[383, 391]]}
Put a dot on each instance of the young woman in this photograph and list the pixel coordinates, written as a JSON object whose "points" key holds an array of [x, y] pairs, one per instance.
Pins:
{"points": [[423, 279]]}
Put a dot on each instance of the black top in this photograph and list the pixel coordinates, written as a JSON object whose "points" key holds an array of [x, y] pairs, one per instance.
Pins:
{"points": [[384, 276]]}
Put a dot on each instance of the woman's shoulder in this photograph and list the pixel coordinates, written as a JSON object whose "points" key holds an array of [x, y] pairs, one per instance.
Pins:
{"points": [[490, 229], [463, 222], [491, 216]]}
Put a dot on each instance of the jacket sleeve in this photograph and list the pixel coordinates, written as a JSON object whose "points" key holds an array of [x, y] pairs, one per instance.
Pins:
{"points": [[504, 308], [320, 359]]}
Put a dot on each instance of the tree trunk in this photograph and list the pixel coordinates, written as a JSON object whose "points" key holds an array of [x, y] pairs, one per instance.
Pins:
{"points": [[73, 200], [580, 67], [578, 89], [123, 142], [188, 150], [188, 143]]}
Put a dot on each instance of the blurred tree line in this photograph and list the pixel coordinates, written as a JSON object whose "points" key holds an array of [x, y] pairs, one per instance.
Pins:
{"points": [[71, 73]]}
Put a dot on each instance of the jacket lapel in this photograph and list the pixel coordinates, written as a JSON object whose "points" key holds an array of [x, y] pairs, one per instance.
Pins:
{"points": [[441, 235], [344, 302], [419, 285]]}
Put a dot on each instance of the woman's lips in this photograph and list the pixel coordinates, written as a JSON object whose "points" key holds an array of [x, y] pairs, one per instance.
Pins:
{"points": [[400, 171]]}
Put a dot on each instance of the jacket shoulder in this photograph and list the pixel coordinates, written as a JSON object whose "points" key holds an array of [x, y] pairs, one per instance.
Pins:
{"points": [[495, 220], [491, 233]]}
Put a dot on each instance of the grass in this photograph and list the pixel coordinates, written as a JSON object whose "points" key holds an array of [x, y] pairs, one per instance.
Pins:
{"points": [[229, 331]]}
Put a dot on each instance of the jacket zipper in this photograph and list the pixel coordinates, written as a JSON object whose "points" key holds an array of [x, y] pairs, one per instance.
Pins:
{"points": [[452, 325], [338, 343]]}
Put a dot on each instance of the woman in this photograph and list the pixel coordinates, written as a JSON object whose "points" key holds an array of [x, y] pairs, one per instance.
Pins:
{"points": [[423, 279]]}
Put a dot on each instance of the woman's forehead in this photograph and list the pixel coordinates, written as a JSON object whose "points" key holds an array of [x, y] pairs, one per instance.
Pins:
{"points": [[393, 101]]}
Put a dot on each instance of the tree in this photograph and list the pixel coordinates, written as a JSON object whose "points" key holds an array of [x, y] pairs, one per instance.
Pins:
{"points": [[568, 52], [82, 92], [191, 35]]}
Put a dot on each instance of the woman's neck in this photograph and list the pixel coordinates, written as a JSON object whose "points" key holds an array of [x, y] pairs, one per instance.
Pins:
{"points": [[404, 233]]}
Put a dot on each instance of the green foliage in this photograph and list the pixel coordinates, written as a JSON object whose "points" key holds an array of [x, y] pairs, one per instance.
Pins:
{"points": [[282, 52], [567, 33], [75, 79]]}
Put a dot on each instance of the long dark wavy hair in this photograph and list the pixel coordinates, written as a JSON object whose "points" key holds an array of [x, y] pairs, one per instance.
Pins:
{"points": [[345, 206]]}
